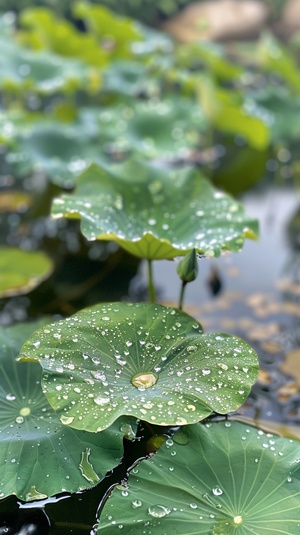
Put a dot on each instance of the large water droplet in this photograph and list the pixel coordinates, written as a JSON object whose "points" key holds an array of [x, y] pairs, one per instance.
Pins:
{"points": [[101, 400], [144, 380], [158, 511]]}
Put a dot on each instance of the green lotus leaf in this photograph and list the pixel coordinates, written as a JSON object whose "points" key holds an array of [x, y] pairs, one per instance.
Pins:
{"points": [[123, 31], [21, 271], [283, 111], [39, 456], [227, 478], [44, 72], [62, 150], [274, 57], [156, 213], [229, 114], [43, 30], [143, 360], [65, 148]]}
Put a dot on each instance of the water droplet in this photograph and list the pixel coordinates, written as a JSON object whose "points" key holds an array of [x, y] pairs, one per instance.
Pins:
{"points": [[158, 511], [238, 520], [217, 491], [136, 503], [19, 419], [66, 420], [144, 380], [193, 505], [10, 397], [100, 400]]}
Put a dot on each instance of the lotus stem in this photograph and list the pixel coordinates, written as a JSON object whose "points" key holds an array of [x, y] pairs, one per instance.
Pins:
{"points": [[151, 288], [180, 304]]}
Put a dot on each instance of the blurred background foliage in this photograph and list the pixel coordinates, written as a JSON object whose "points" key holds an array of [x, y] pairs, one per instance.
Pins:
{"points": [[81, 83]]}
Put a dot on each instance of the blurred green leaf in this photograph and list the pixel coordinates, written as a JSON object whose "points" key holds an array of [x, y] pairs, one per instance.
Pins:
{"points": [[274, 57], [43, 72], [226, 113], [21, 271]]}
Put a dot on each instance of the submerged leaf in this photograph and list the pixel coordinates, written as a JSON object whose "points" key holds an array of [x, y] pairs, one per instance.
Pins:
{"points": [[155, 213], [143, 360], [222, 479]]}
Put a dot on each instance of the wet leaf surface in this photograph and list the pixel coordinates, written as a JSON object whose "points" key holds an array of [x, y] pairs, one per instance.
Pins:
{"points": [[131, 204], [143, 360], [39, 456], [227, 478]]}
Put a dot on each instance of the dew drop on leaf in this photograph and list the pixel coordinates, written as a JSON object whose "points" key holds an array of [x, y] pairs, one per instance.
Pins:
{"points": [[158, 511]]}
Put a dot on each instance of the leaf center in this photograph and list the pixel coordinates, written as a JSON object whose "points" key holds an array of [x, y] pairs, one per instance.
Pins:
{"points": [[144, 380]]}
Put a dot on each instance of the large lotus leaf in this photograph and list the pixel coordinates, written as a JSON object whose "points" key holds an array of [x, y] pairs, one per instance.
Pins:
{"points": [[44, 72], [21, 271], [156, 213], [62, 150], [39, 456], [143, 360], [165, 128], [228, 479], [162, 129]]}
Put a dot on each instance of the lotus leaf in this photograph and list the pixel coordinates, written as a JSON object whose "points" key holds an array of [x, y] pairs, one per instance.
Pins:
{"points": [[43, 72], [143, 360], [224, 478], [45, 31], [123, 32], [155, 213], [21, 271], [39, 456], [275, 58], [228, 113]]}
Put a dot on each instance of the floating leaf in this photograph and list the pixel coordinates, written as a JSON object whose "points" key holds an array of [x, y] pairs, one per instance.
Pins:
{"points": [[226, 478], [44, 72], [156, 213], [39, 456], [142, 360], [21, 271]]}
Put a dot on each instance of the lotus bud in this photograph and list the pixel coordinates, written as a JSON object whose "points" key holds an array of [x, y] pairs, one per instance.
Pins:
{"points": [[187, 268]]}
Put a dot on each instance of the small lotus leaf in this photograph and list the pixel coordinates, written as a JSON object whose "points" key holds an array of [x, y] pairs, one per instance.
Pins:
{"points": [[223, 479], [155, 213], [143, 360], [21, 271], [39, 456]]}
